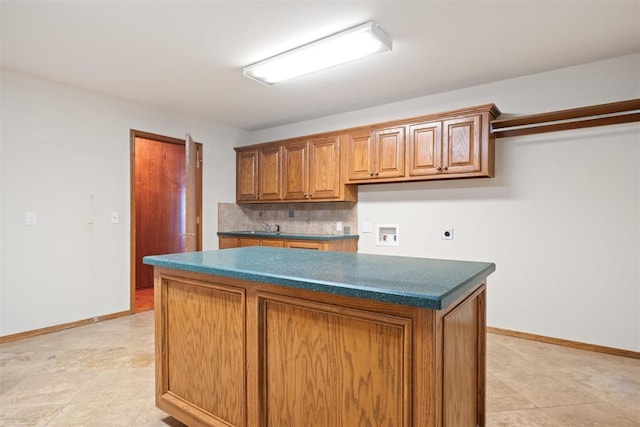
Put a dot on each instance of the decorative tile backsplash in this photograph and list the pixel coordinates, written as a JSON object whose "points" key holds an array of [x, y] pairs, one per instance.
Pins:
{"points": [[308, 218]]}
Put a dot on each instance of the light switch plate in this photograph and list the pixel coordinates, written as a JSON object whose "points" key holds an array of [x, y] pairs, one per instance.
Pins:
{"points": [[32, 218]]}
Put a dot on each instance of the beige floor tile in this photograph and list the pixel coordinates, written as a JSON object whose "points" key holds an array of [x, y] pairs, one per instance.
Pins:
{"points": [[501, 397], [629, 407], [547, 388], [595, 414], [34, 415], [521, 418]]}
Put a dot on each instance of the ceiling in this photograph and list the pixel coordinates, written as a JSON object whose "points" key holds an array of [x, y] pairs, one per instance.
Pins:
{"points": [[186, 56]]}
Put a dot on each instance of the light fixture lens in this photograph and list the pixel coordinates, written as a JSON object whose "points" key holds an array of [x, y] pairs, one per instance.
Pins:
{"points": [[348, 45]]}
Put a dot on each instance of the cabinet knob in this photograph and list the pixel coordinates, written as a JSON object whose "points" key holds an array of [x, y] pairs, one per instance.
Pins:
{"points": [[438, 168], [446, 168], [376, 174], [310, 194], [370, 173], [304, 194]]}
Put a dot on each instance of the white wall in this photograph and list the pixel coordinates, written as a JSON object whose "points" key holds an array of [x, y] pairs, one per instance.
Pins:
{"points": [[561, 220], [64, 154]]}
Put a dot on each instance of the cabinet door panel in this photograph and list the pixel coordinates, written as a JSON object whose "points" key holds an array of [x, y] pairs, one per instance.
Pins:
{"points": [[270, 188], [247, 175], [273, 243], [204, 349], [317, 246], [324, 168], [248, 241], [389, 153], [424, 153], [360, 155], [225, 242], [461, 151], [294, 159], [337, 367]]}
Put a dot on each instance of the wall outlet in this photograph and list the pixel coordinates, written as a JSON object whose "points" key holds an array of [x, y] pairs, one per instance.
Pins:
{"points": [[366, 227], [32, 218], [446, 233], [339, 226], [115, 218]]}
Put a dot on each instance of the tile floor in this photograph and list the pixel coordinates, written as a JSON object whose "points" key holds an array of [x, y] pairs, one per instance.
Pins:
{"points": [[102, 375]]}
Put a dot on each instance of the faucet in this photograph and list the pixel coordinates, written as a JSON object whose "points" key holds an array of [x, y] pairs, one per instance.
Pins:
{"points": [[265, 226]]}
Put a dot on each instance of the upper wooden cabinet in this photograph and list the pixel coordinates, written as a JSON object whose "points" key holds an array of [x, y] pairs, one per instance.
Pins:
{"points": [[311, 169], [449, 147], [455, 144], [258, 175], [376, 154], [299, 170]]}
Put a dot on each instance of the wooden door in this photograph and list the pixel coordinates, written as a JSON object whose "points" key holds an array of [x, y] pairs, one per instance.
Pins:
{"points": [[424, 153], [324, 168], [389, 153], [269, 174], [166, 201], [360, 156], [247, 175], [191, 219], [294, 171], [461, 145], [159, 180]]}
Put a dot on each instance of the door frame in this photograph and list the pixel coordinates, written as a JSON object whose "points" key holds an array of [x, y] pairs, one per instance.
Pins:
{"points": [[133, 134]]}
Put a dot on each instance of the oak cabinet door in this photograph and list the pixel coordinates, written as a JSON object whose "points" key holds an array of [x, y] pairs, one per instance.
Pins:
{"points": [[389, 149], [361, 154], [269, 173], [461, 145], [247, 175], [424, 151], [295, 171], [324, 168]]}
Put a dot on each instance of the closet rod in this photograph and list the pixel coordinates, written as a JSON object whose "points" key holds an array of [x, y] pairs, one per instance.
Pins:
{"points": [[575, 118]]}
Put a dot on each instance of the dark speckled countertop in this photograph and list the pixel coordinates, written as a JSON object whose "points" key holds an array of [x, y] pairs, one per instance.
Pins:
{"points": [[420, 282], [283, 235]]}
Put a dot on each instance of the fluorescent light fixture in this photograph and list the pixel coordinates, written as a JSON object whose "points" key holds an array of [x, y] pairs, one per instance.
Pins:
{"points": [[345, 46]]}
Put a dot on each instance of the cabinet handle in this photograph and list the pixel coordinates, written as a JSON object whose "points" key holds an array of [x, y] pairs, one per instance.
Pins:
{"points": [[370, 173], [304, 194], [376, 173], [446, 168], [438, 168], [310, 194]]}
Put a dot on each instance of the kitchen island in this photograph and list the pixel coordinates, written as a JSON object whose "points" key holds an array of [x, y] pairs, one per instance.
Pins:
{"points": [[262, 336]]}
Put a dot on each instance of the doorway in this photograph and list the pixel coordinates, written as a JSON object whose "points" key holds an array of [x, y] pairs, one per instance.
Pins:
{"points": [[163, 198]]}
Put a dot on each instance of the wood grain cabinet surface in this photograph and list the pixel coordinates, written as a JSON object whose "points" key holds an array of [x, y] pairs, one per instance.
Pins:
{"points": [[336, 245], [237, 353], [311, 169], [247, 175], [328, 167], [376, 154], [298, 170]]}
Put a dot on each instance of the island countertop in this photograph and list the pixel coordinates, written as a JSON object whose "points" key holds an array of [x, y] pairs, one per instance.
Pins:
{"points": [[420, 282]]}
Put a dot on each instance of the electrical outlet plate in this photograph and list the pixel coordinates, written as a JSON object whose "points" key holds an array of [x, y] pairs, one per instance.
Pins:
{"points": [[446, 233]]}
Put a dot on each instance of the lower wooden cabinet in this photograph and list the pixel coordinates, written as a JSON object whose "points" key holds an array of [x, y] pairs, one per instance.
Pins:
{"points": [[337, 245], [237, 353]]}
